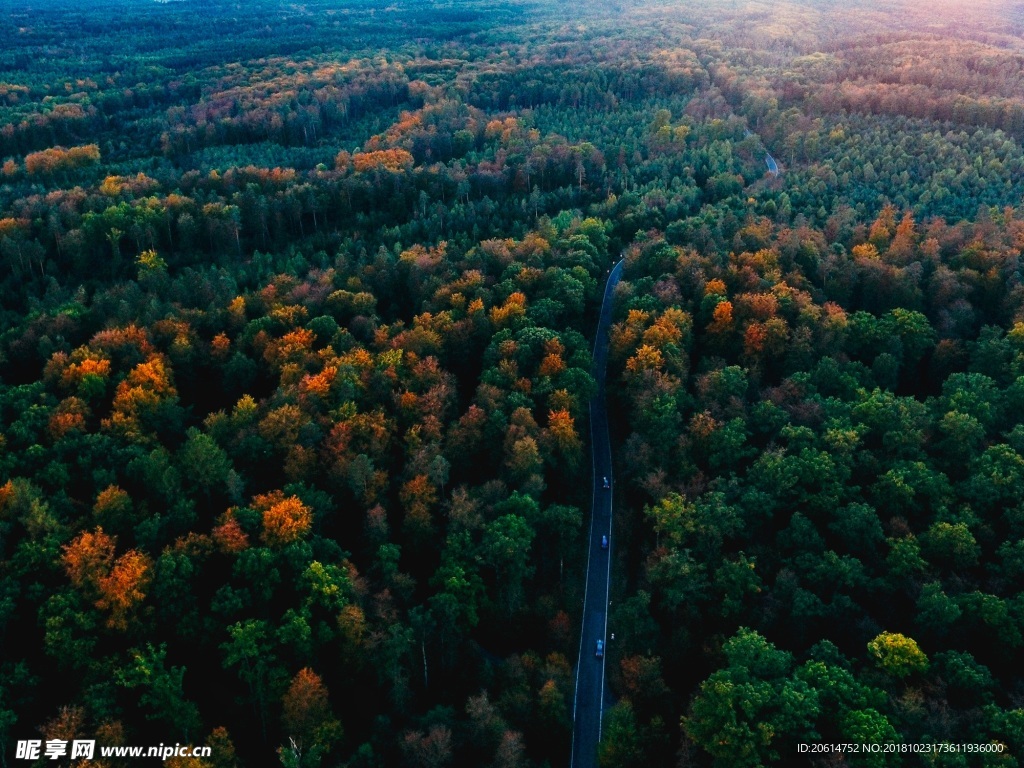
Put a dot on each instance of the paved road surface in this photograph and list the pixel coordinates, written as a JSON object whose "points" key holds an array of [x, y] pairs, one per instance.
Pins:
{"points": [[773, 167], [588, 706]]}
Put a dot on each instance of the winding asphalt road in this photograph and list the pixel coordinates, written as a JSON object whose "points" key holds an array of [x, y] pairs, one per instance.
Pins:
{"points": [[773, 167], [588, 705]]}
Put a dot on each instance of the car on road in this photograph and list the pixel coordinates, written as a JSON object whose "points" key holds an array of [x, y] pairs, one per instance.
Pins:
{"points": [[604, 541], [605, 484], [599, 651]]}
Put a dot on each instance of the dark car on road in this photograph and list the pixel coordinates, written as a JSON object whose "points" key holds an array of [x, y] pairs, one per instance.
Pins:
{"points": [[599, 651], [605, 484], [604, 541]]}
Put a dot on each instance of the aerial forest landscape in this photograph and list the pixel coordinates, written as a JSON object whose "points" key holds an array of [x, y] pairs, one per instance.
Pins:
{"points": [[512, 383]]}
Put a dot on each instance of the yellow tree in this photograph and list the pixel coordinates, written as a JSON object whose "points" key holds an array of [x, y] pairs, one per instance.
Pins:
{"points": [[898, 654], [562, 429]]}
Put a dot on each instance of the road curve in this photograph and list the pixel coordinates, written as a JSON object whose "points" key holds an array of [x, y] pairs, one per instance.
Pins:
{"points": [[588, 702], [773, 167]]}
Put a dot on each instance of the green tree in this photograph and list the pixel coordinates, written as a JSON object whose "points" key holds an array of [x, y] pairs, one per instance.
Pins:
{"points": [[951, 545], [506, 548], [747, 712], [206, 466], [250, 650], [869, 726], [621, 741], [936, 611], [162, 695]]}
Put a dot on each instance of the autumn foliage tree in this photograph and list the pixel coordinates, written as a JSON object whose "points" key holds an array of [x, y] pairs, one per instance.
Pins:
{"points": [[308, 723], [285, 518], [87, 559]]}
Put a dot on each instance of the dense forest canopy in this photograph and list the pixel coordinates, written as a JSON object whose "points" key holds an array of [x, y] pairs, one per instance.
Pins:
{"points": [[297, 305]]}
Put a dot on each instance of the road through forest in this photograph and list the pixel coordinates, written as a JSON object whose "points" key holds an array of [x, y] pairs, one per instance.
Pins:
{"points": [[588, 703]]}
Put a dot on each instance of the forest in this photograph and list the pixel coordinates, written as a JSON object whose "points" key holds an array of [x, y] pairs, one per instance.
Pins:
{"points": [[297, 311]]}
